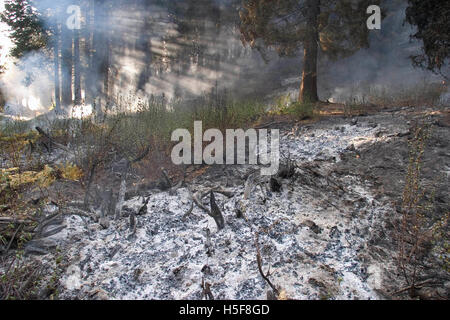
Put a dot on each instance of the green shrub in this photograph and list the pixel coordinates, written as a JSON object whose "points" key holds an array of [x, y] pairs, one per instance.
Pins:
{"points": [[302, 111]]}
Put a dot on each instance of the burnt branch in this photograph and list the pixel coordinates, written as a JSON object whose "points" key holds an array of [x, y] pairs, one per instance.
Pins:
{"points": [[141, 156], [49, 141], [206, 290], [167, 179], [216, 213], [260, 269]]}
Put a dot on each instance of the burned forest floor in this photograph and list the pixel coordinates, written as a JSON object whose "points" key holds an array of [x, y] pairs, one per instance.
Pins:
{"points": [[334, 223]]}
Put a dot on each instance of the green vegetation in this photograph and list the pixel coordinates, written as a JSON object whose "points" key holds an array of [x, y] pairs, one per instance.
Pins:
{"points": [[297, 110], [28, 30], [431, 20]]}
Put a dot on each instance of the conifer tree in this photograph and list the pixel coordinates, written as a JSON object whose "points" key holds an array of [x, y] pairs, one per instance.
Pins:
{"points": [[334, 28], [431, 18]]}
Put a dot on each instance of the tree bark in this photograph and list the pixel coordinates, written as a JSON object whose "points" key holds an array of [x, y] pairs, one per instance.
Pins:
{"points": [[308, 89], [106, 67], [88, 70], [67, 65], [144, 44], [97, 49], [57, 79], [77, 66], [101, 49]]}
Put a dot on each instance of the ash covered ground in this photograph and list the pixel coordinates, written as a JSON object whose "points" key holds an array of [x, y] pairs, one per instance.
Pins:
{"points": [[327, 233]]}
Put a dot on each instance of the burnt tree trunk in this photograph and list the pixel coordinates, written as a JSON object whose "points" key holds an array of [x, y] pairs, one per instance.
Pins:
{"points": [[98, 52], [106, 68], [77, 66], [57, 79], [144, 44], [67, 65], [308, 89], [88, 70], [101, 48]]}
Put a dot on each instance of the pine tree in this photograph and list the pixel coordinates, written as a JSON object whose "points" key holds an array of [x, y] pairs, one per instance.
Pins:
{"points": [[27, 28], [56, 66], [77, 64], [88, 66], [334, 28], [431, 18], [101, 48], [66, 64]]}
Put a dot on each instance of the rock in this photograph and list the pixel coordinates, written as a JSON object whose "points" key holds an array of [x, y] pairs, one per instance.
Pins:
{"points": [[354, 121]]}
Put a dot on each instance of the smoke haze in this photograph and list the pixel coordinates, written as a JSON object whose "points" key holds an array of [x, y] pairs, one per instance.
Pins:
{"points": [[149, 57]]}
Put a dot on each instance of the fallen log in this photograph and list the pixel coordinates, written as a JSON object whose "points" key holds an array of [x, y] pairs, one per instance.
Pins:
{"points": [[50, 141]]}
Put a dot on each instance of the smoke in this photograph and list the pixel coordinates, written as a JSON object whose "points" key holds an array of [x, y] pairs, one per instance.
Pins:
{"points": [[150, 57], [27, 86], [385, 65]]}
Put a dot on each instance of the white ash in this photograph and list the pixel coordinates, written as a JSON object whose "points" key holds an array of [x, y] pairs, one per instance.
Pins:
{"points": [[167, 258]]}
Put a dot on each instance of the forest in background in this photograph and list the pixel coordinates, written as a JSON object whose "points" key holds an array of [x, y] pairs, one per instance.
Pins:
{"points": [[127, 50]]}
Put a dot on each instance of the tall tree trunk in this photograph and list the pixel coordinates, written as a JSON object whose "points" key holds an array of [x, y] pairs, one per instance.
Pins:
{"points": [[101, 49], [308, 89], [106, 66], [77, 66], [88, 69], [67, 65], [57, 78], [97, 25], [145, 45]]}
